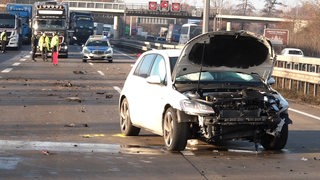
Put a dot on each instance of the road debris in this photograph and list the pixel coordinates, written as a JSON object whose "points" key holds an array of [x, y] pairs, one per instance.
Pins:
{"points": [[80, 72], [304, 159], [108, 96], [83, 109], [92, 135], [75, 125], [45, 152], [77, 99], [100, 92], [68, 84]]}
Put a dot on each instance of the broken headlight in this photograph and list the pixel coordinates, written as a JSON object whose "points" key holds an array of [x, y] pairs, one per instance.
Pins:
{"points": [[195, 108]]}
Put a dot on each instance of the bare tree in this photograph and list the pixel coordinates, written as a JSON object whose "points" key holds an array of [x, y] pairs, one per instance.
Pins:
{"points": [[244, 7], [270, 7]]}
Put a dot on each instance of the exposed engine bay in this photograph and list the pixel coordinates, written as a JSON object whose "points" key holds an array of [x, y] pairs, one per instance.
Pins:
{"points": [[249, 113]]}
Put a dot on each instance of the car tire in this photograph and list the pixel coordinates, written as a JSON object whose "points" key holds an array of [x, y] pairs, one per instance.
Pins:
{"points": [[175, 134], [270, 142], [125, 121], [83, 60]]}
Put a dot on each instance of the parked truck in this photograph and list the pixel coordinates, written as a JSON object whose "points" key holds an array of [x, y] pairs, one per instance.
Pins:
{"points": [[24, 12], [11, 23], [98, 28], [173, 33], [81, 27], [52, 17], [108, 30]]}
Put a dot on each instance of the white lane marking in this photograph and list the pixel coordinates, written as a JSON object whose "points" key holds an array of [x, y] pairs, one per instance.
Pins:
{"points": [[9, 163], [7, 70], [91, 64], [117, 89], [23, 59], [306, 114], [59, 146], [28, 56], [15, 64], [124, 54], [101, 73]]}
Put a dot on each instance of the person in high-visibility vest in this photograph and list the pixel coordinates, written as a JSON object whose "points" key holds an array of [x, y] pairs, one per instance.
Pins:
{"points": [[3, 38], [44, 44], [55, 48]]}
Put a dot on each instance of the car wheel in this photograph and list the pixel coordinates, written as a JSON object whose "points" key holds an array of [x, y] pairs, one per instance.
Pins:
{"points": [[110, 61], [83, 60], [175, 134], [125, 121], [270, 142]]}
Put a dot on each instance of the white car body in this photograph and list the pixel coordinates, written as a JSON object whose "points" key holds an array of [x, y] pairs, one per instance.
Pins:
{"points": [[165, 94], [292, 52]]}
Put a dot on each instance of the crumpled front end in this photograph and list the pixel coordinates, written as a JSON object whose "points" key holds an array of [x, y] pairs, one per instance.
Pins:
{"points": [[246, 114]]}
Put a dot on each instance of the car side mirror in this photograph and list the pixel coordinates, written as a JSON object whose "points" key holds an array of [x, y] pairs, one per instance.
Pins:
{"points": [[154, 79], [271, 81]]}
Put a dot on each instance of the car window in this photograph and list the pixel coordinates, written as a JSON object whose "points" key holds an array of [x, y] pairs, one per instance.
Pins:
{"points": [[144, 66], [159, 68], [97, 43], [295, 52]]}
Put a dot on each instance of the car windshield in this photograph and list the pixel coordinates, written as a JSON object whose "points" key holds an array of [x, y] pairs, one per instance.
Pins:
{"points": [[97, 43], [219, 77], [296, 52]]}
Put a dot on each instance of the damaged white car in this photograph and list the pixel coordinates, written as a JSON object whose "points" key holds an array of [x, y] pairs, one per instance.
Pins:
{"points": [[217, 88]]}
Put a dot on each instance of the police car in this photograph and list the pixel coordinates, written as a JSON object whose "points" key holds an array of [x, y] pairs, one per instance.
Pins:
{"points": [[97, 47]]}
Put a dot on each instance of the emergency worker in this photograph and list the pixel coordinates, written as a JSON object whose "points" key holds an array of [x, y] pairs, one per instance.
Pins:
{"points": [[34, 42], [44, 44], [3, 38], [55, 48]]}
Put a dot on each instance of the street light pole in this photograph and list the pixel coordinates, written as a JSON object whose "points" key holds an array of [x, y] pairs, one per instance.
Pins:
{"points": [[206, 10]]}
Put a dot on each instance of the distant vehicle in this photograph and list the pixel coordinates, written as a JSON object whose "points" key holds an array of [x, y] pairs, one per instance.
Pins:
{"points": [[189, 31], [97, 28], [11, 23], [24, 12], [97, 47], [52, 17], [163, 32], [160, 39], [150, 38], [292, 52], [108, 30], [80, 26], [173, 34]]}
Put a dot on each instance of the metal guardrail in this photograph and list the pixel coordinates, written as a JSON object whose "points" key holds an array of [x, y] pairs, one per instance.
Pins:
{"points": [[293, 73]]}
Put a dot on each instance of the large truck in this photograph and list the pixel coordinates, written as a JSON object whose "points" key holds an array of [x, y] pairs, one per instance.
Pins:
{"points": [[11, 23], [24, 12], [108, 30], [81, 27], [98, 28], [52, 17], [173, 33]]}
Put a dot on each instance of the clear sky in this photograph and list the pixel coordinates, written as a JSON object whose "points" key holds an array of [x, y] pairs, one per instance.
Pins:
{"points": [[257, 3]]}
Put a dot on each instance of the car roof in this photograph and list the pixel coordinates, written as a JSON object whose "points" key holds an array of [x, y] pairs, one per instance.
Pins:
{"points": [[292, 49], [166, 52]]}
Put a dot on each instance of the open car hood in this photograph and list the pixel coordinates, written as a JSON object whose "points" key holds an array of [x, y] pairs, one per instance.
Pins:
{"points": [[238, 51]]}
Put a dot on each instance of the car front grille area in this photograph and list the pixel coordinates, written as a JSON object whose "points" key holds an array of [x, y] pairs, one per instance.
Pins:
{"points": [[97, 52]]}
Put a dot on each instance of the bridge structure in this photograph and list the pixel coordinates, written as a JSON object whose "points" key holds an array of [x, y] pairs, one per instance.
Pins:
{"points": [[142, 9]]}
